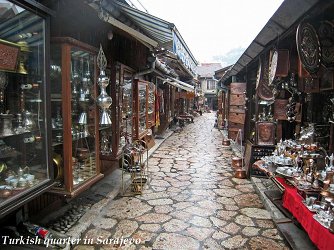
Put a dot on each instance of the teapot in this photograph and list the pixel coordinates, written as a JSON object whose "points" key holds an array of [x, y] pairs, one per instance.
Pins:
{"points": [[22, 171]]}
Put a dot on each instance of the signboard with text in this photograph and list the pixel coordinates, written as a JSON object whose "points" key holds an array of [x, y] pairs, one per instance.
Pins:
{"points": [[180, 50]]}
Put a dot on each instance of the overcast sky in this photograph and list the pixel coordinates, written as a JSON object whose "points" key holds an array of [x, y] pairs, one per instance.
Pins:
{"points": [[215, 30]]}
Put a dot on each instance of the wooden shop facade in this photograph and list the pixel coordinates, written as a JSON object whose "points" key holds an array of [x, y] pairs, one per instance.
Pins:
{"points": [[280, 101], [80, 81]]}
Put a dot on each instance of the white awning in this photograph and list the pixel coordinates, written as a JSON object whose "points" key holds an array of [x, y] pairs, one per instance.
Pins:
{"points": [[105, 16], [179, 84]]}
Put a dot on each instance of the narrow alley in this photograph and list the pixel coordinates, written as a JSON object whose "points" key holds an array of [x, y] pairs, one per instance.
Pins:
{"points": [[192, 201]]}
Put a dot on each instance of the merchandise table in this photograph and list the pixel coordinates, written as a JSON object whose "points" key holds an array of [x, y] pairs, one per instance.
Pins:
{"points": [[318, 234]]}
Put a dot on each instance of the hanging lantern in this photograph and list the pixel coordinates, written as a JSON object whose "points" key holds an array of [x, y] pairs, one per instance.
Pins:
{"points": [[103, 100]]}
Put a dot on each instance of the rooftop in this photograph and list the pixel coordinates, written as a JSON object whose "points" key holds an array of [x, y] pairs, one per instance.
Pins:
{"points": [[207, 69]]}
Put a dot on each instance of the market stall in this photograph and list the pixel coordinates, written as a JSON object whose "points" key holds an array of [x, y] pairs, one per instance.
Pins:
{"points": [[304, 173]]}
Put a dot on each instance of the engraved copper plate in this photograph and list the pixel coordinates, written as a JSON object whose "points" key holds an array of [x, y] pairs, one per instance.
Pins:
{"points": [[308, 47], [8, 56], [280, 109], [258, 74], [272, 66], [326, 37], [265, 133], [263, 90]]}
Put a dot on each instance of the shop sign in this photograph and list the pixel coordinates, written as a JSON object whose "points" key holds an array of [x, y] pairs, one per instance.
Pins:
{"points": [[180, 50]]}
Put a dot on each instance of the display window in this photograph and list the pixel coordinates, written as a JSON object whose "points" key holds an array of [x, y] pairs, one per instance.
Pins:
{"points": [[23, 103]]}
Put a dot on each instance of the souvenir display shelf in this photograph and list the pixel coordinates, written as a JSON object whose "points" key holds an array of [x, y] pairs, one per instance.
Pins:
{"points": [[24, 134], [140, 92], [124, 82], [120, 133], [75, 123], [135, 163], [150, 105]]}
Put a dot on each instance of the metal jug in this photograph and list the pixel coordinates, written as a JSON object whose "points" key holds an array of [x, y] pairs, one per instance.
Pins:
{"points": [[6, 126], [28, 122]]}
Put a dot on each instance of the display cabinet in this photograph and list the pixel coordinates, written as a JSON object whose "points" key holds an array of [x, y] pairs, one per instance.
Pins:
{"points": [[120, 133], [126, 108], [75, 123], [25, 171], [150, 105], [140, 93], [124, 79]]}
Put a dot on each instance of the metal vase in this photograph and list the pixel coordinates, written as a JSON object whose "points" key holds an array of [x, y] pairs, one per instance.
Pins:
{"points": [[6, 127]]}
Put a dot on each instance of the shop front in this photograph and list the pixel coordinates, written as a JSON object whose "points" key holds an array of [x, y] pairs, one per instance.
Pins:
{"points": [[288, 129], [25, 137], [79, 88]]}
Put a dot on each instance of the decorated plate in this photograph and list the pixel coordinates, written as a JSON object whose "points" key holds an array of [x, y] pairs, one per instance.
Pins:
{"points": [[326, 37], [263, 90], [258, 75], [273, 66], [308, 47]]}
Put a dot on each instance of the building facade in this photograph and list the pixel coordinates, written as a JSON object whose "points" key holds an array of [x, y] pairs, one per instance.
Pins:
{"points": [[208, 84]]}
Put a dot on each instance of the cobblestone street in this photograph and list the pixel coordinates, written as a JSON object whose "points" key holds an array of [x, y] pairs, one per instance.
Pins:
{"points": [[192, 201]]}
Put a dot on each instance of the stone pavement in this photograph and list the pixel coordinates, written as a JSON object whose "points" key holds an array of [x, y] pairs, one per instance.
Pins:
{"points": [[192, 201]]}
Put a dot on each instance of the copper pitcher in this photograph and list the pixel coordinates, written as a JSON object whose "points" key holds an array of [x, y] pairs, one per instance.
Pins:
{"points": [[236, 162], [240, 173]]}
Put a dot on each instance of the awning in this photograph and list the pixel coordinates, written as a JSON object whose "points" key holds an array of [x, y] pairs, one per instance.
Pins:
{"points": [[179, 84], [289, 13], [105, 16], [164, 32], [157, 28]]}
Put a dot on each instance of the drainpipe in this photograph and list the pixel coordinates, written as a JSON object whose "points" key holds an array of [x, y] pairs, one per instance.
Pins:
{"points": [[146, 71], [156, 64], [164, 69]]}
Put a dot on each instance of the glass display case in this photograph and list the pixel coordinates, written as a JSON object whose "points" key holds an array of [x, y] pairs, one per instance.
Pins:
{"points": [[139, 128], [114, 138], [125, 80], [151, 105], [24, 134], [75, 123]]}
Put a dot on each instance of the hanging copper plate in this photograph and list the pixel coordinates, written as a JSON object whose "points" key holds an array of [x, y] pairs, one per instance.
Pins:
{"points": [[272, 66], [283, 63], [308, 47], [258, 74], [264, 91], [326, 37], [280, 107]]}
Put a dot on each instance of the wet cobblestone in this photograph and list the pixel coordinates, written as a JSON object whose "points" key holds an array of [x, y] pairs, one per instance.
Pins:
{"points": [[192, 202]]}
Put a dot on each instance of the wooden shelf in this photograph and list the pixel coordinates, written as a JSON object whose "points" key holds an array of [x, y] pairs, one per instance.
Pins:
{"points": [[79, 189]]}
